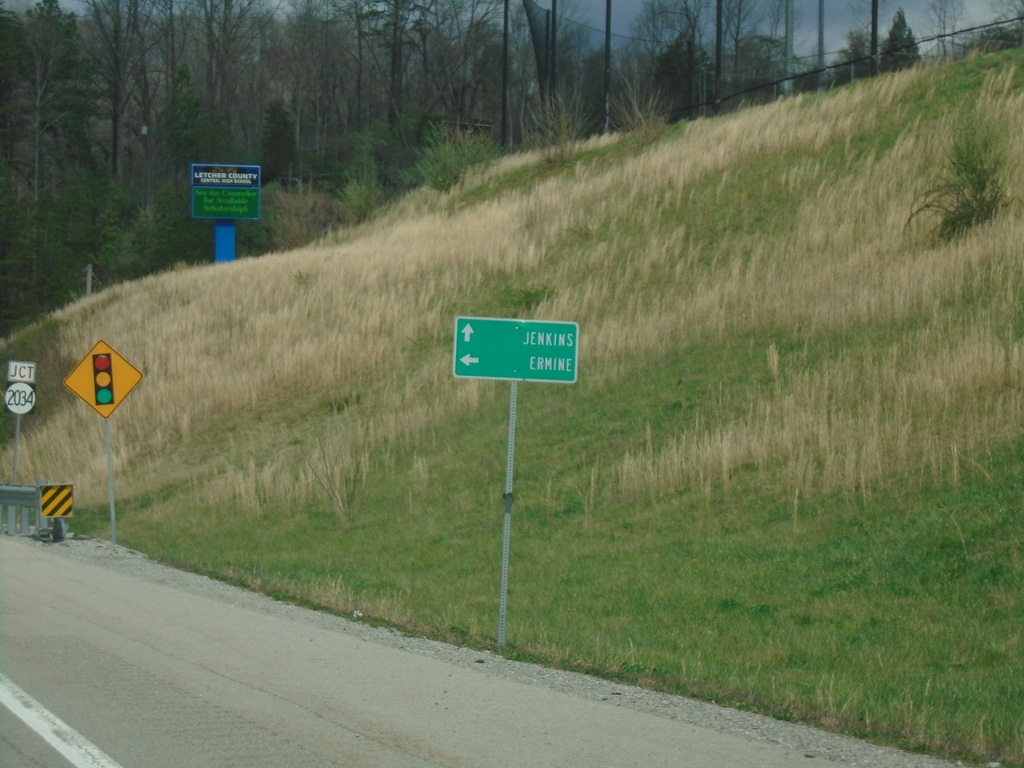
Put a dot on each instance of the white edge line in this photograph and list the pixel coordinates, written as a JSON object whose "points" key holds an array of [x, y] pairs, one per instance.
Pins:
{"points": [[78, 750]]}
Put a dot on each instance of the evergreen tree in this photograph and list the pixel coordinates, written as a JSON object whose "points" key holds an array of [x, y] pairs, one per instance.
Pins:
{"points": [[60, 98], [15, 265], [182, 125], [17, 299], [64, 234], [12, 62], [278, 143], [681, 71], [163, 235], [899, 51], [854, 61]]}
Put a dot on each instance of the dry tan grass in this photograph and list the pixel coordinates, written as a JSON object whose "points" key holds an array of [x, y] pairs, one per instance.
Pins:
{"points": [[370, 317], [841, 269]]}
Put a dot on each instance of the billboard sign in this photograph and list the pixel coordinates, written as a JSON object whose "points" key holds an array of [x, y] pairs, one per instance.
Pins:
{"points": [[221, 191]]}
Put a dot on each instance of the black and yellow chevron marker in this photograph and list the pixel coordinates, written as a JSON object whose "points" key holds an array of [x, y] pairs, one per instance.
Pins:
{"points": [[55, 500]]}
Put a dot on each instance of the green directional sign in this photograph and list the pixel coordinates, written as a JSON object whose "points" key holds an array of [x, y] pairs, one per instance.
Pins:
{"points": [[516, 350]]}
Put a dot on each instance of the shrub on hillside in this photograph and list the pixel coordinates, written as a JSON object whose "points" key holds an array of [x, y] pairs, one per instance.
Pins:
{"points": [[448, 155], [557, 126], [363, 194], [296, 218], [641, 115], [971, 190]]}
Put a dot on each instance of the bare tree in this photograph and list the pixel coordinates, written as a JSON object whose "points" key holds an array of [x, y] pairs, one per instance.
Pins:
{"points": [[741, 19], [386, 29], [457, 43], [946, 14], [749, 43], [230, 38], [361, 22], [660, 22], [311, 65], [118, 53], [55, 77], [1010, 9]]}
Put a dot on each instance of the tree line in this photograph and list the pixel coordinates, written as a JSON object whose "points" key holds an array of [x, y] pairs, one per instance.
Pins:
{"points": [[102, 111]]}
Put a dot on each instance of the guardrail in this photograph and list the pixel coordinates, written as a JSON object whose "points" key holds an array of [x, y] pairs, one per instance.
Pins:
{"points": [[49, 500], [18, 496]]}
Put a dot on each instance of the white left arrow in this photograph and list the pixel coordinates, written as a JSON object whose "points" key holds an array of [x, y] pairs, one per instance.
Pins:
{"points": [[469, 359], [467, 332]]}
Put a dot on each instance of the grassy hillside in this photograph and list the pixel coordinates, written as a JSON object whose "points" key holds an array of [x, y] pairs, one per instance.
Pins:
{"points": [[787, 479]]}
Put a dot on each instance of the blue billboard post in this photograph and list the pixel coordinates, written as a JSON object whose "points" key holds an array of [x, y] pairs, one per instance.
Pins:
{"points": [[224, 240], [225, 193]]}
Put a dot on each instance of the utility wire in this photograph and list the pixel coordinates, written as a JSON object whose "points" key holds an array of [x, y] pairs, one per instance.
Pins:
{"points": [[810, 73], [652, 41]]}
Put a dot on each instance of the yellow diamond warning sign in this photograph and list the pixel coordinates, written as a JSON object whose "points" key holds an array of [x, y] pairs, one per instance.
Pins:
{"points": [[56, 500], [103, 379]]}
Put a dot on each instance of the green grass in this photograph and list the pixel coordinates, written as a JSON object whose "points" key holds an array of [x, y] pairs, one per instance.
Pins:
{"points": [[896, 617], [897, 620]]}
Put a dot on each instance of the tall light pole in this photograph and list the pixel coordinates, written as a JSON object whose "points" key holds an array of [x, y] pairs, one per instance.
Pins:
{"points": [[719, 35], [554, 47], [787, 85], [607, 66], [821, 34], [821, 43], [874, 37], [504, 81]]}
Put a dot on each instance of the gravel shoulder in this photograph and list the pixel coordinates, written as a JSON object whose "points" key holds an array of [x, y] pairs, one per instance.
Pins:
{"points": [[810, 742]]}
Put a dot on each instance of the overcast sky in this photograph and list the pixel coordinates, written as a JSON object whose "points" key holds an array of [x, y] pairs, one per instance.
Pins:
{"points": [[840, 17], [844, 15]]}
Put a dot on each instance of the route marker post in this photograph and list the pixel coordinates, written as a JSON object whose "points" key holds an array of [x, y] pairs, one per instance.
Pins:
{"points": [[514, 350], [20, 397]]}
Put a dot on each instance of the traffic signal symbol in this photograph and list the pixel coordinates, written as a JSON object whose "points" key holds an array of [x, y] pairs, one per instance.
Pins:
{"points": [[103, 379], [93, 379]]}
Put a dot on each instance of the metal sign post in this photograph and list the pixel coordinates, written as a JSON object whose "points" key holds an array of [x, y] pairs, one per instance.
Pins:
{"points": [[20, 398], [110, 482], [12, 511], [507, 537], [514, 350]]}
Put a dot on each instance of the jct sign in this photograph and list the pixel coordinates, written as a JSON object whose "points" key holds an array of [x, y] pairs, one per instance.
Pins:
{"points": [[20, 371], [20, 395]]}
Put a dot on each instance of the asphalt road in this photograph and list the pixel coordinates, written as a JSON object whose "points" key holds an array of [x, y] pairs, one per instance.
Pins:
{"points": [[160, 669]]}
